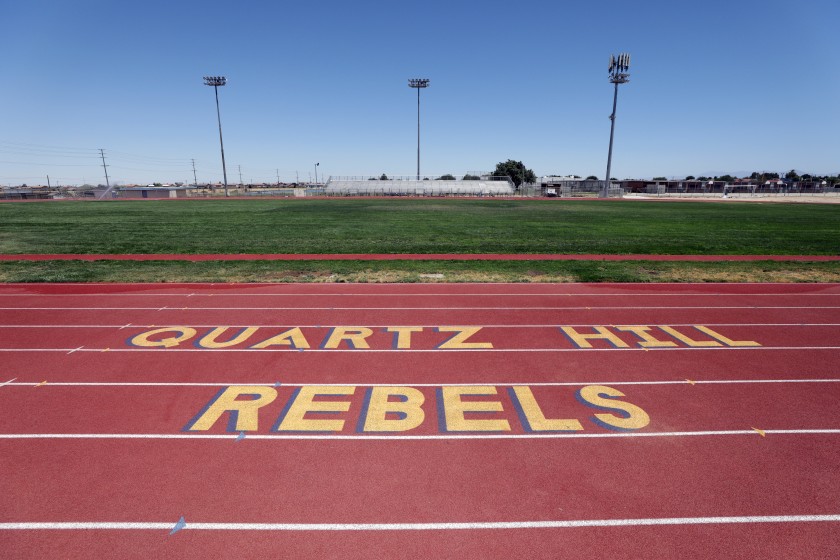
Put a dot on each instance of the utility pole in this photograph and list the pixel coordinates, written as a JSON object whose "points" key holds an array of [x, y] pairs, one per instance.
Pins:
{"points": [[195, 180], [105, 167], [618, 75], [240, 175], [278, 176], [48, 182]]}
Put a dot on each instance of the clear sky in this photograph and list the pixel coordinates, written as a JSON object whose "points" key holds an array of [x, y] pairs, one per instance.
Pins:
{"points": [[716, 87]]}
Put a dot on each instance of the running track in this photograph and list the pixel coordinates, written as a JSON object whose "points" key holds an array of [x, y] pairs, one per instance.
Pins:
{"points": [[101, 454]]}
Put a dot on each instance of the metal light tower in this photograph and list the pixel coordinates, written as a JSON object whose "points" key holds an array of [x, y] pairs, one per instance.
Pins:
{"points": [[619, 65], [418, 84], [217, 81]]}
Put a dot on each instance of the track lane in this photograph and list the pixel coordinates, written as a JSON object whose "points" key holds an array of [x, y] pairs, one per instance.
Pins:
{"points": [[488, 338], [287, 481], [679, 407]]}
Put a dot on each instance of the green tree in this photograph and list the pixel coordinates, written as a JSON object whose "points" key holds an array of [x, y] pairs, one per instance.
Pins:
{"points": [[659, 179], [516, 170], [592, 178], [725, 178], [469, 177], [446, 177], [689, 177], [383, 177], [792, 175]]}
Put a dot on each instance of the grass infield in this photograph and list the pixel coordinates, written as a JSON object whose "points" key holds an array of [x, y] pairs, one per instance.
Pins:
{"points": [[359, 226]]}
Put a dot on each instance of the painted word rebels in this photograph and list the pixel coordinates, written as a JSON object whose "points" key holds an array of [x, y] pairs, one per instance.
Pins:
{"points": [[417, 410]]}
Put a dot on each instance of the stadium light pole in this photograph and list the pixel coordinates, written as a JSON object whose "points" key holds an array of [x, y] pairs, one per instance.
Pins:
{"points": [[418, 84], [316, 173], [217, 81], [619, 65]]}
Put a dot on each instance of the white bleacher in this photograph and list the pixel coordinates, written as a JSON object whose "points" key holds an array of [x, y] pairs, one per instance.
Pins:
{"points": [[346, 186]]}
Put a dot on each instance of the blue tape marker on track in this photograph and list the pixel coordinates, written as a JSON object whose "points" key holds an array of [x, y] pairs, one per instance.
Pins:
{"points": [[241, 436], [178, 526]]}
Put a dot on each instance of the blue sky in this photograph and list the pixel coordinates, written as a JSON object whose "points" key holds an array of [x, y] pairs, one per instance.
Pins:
{"points": [[715, 87]]}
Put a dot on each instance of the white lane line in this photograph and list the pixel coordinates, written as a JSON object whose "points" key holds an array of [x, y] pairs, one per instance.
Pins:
{"points": [[431, 350], [526, 308], [506, 326], [483, 383], [10, 382], [356, 437], [441, 526]]}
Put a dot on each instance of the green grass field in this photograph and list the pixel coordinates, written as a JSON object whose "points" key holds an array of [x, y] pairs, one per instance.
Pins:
{"points": [[419, 226], [425, 226]]}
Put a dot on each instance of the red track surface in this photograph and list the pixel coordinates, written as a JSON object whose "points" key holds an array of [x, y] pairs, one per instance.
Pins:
{"points": [[410, 257], [742, 442]]}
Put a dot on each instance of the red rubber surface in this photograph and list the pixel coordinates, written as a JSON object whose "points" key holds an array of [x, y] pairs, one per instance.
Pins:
{"points": [[76, 338]]}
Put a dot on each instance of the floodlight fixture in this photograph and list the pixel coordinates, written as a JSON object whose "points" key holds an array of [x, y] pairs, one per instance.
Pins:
{"points": [[217, 81], [618, 71], [418, 84]]}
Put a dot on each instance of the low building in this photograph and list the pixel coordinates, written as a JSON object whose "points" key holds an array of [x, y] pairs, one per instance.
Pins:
{"points": [[152, 192]]}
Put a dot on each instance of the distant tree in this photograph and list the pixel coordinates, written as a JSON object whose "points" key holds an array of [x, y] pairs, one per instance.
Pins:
{"points": [[383, 177], [23, 185], [660, 179], [703, 178], [469, 177], [592, 178], [516, 170], [792, 175], [725, 178], [689, 177], [446, 177], [372, 179], [806, 177]]}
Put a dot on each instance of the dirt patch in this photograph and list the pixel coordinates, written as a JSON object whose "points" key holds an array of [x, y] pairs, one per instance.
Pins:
{"points": [[785, 276]]}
